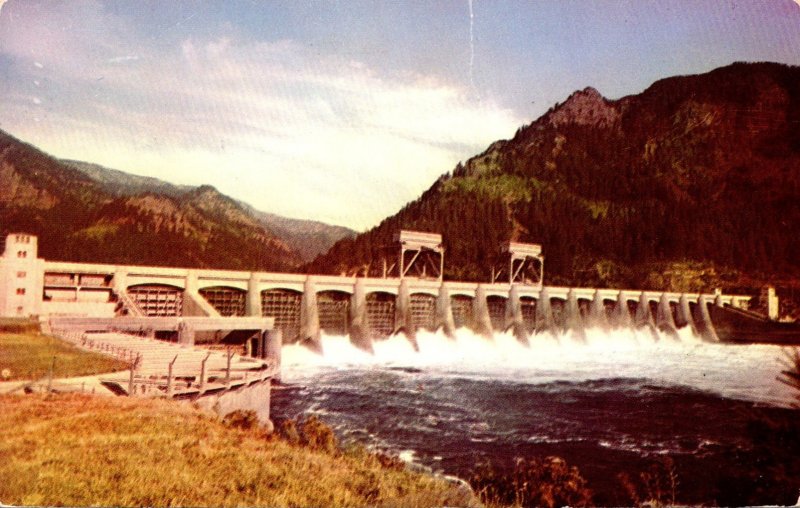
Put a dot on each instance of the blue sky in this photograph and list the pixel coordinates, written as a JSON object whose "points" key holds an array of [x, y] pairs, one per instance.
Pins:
{"points": [[340, 111]]}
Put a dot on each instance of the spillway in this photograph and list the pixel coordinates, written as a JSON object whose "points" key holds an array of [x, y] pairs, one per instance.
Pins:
{"points": [[608, 401]]}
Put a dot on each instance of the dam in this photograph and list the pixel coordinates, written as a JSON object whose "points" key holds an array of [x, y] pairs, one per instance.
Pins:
{"points": [[408, 294]]}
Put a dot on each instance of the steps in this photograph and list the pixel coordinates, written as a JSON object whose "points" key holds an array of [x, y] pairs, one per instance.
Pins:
{"points": [[161, 368]]}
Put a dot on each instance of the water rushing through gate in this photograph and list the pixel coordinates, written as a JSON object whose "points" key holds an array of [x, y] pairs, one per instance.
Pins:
{"points": [[611, 403]]}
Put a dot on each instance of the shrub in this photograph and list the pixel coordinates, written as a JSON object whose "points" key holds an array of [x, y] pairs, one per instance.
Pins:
{"points": [[241, 419], [656, 486], [546, 482], [318, 435], [288, 431]]}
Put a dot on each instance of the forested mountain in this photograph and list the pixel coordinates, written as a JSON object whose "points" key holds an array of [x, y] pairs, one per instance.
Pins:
{"points": [[81, 218], [691, 184], [309, 238]]}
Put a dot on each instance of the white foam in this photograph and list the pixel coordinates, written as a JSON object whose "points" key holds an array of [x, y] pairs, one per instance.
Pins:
{"points": [[740, 371]]}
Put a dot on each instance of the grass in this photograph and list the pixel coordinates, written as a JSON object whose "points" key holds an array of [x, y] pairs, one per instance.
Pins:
{"points": [[27, 354], [19, 325], [508, 187], [78, 450]]}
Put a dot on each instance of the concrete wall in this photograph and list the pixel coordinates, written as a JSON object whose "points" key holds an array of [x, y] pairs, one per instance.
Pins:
{"points": [[70, 297], [21, 277]]}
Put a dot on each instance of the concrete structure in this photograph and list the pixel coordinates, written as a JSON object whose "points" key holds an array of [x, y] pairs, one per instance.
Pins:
{"points": [[21, 275], [769, 301], [366, 308]]}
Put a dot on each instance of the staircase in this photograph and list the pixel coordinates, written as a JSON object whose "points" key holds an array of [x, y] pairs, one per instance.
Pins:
{"points": [[160, 368]]}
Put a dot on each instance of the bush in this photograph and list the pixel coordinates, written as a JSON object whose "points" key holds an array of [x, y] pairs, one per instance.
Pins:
{"points": [[288, 431], [546, 482], [318, 436], [241, 419], [656, 486]]}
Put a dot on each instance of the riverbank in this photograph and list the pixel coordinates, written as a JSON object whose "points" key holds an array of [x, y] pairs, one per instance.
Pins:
{"points": [[79, 450]]}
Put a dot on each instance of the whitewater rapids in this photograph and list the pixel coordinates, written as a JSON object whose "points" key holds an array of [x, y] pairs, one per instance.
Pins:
{"points": [[745, 372]]}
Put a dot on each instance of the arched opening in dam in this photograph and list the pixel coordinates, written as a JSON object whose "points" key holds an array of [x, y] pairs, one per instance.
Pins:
{"points": [[423, 311], [228, 301], [497, 311], [334, 312], [283, 305], [157, 299], [461, 306], [612, 402], [381, 314], [528, 309]]}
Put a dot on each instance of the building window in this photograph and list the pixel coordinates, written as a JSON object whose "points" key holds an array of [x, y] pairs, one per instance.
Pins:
{"points": [[19, 311], [22, 254], [21, 275], [20, 291]]}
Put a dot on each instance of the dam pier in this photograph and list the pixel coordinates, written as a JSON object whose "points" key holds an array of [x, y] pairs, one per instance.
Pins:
{"points": [[408, 294]]}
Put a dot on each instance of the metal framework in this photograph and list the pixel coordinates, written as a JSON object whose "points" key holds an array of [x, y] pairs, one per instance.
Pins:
{"points": [[227, 300], [461, 306], [528, 306], [497, 311], [157, 299], [421, 254], [380, 314], [423, 311], [334, 312], [284, 306], [523, 262]]}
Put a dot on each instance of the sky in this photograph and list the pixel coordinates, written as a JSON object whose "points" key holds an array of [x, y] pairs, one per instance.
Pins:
{"points": [[340, 111]]}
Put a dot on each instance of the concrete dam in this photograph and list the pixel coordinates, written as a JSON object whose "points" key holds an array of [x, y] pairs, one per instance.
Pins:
{"points": [[408, 295]]}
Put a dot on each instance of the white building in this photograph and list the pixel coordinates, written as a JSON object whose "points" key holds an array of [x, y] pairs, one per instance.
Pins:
{"points": [[21, 277]]}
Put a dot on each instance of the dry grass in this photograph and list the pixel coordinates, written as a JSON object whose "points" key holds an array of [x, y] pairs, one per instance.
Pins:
{"points": [[78, 450], [29, 355]]}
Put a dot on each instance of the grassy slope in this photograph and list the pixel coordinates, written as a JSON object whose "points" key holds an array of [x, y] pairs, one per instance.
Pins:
{"points": [[29, 355], [78, 450]]}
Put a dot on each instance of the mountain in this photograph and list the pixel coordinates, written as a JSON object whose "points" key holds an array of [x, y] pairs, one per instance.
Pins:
{"points": [[119, 183], [692, 184], [309, 238], [81, 218]]}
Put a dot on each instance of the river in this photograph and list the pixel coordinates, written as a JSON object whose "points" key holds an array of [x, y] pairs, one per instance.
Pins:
{"points": [[615, 402]]}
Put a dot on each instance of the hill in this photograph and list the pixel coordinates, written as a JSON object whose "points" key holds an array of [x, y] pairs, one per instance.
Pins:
{"points": [[307, 237], [692, 184], [79, 217]]}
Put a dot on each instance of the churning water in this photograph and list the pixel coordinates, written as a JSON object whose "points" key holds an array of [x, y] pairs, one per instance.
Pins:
{"points": [[609, 402]]}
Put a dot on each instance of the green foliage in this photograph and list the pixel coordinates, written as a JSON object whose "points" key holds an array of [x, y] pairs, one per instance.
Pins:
{"points": [[287, 430], [318, 435], [28, 355], [697, 169], [311, 433], [505, 187], [72, 450], [773, 463], [19, 325], [545, 482], [78, 218]]}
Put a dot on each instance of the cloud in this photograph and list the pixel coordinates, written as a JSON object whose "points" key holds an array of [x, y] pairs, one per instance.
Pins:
{"points": [[123, 59], [291, 129]]}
